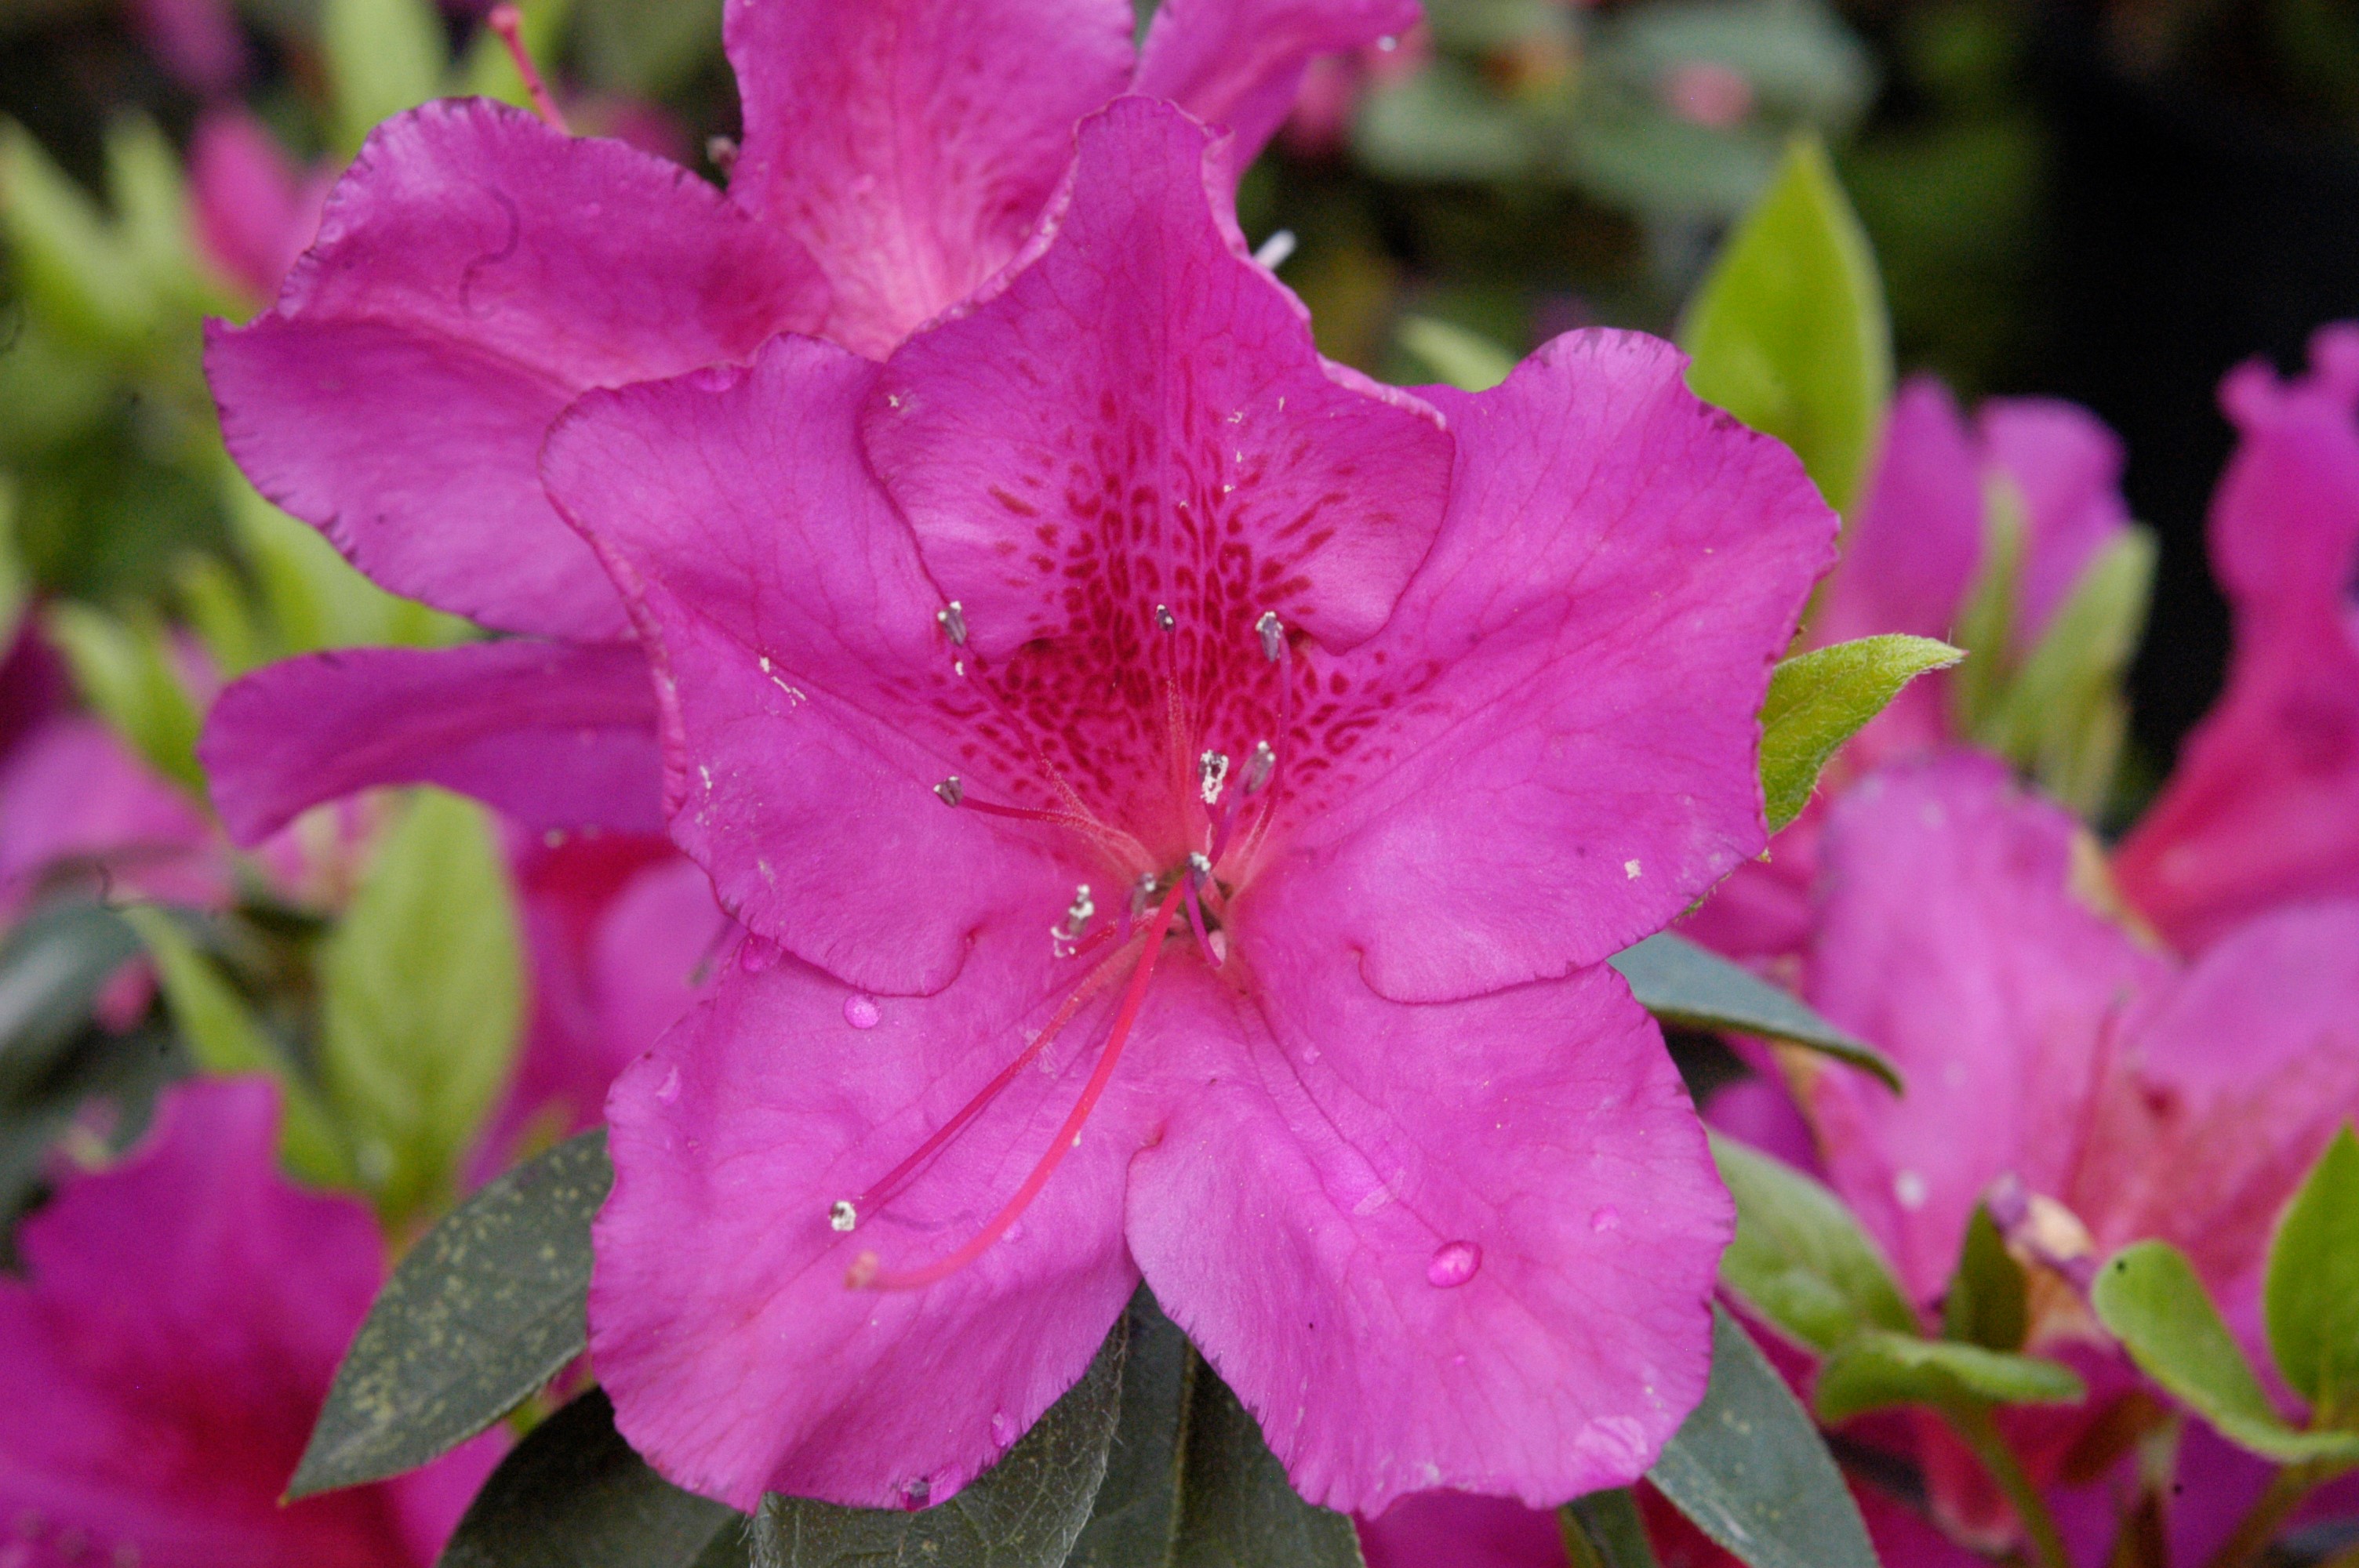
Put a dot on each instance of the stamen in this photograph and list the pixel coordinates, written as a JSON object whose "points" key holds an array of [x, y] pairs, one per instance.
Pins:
{"points": [[1200, 871], [1258, 763], [1165, 619], [842, 1215], [1213, 770], [508, 23], [1077, 921], [1276, 249], [1273, 635], [952, 617], [953, 790], [864, 1273]]}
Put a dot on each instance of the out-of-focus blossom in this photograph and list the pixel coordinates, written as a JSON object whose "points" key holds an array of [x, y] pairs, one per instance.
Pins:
{"points": [[1108, 572], [253, 209], [198, 41], [1464, 1531], [1708, 93], [2263, 808], [163, 1357]]}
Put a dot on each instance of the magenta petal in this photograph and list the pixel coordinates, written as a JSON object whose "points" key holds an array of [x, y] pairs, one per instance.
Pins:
{"points": [[74, 798], [558, 736], [1951, 939], [738, 1358], [911, 144], [1239, 63], [475, 272], [2068, 466], [1465, 1245], [160, 1368], [1141, 401], [1552, 751], [1464, 1531], [252, 210], [807, 695], [1911, 554]]}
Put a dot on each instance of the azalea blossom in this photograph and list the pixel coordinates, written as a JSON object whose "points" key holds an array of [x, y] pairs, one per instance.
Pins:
{"points": [[2263, 808], [168, 1346], [1181, 797], [477, 269]]}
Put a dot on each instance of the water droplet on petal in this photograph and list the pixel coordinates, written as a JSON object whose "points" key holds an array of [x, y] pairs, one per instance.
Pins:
{"points": [[1453, 1263], [1606, 1218], [1003, 1431], [914, 1493], [668, 1090], [757, 954], [861, 1011], [1909, 1188]]}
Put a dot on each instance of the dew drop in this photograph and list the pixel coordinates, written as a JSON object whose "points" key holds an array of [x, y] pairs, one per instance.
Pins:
{"points": [[1003, 1431], [669, 1089], [1605, 1218], [1908, 1187], [914, 1493], [757, 954], [1388, 43], [861, 1011], [1453, 1263]]}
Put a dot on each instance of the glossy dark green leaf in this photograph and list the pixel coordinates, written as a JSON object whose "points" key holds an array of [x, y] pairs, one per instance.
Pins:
{"points": [[52, 966], [1682, 983], [1604, 1529], [1130, 1525], [1026, 1511], [1752, 1472], [1987, 1303], [1879, 1371], [2149, 1296], [2311, 1297], [483, 1312], [1237, 1509], [1789, 331], [573, 1493], [1819, 700], [1800, 1258]]}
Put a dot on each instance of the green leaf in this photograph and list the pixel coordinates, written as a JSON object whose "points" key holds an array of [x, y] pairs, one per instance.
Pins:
{"points": [[1752, 1472], [1985, 623], [315, 597], [646, 48], [1689, 986], [2311, 1296], [481, 1313], [1130, 1524], [573, 1493], [73, 265], [1878, 1369], [420, 998], [2148, 1295], [1237, 1509], [489, 71], [124, 671], [1604, 1529], [224, 1037], [1800, 1258], [15, 588], [1819, 700], [52, 966], [1987, 1303], [1026, 1511], [1465, 360], [1789, 331], [214, 603], [383, 57]]}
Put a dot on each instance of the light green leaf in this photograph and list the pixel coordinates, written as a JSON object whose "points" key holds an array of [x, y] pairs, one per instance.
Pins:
{"points": [[124, 671], [486, 1308], [224, 1037], [1988, 1300], [1604, 1529], [1985, 624], [1800, 1258], [315, 597], [1464, 360], [1877, 1371], [151, 216], [2148, 1295], [2061, 713], [72, 264], [420, 998], [1693, 987], [214, 601], [2311, 1296], [1789, 332], [383, 57], [14, 587], [1752, 1472], [1819, 700], [646, 48]]}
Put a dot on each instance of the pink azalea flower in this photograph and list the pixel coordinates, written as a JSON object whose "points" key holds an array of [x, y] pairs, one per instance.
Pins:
{"points": [[1105, 687], [162, 1360], [1908, 564], [477, 270], [2263, 808]]}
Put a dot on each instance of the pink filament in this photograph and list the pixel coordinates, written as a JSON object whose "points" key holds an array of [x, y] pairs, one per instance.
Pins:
{"points": [[864, 1274], [505, 21]]}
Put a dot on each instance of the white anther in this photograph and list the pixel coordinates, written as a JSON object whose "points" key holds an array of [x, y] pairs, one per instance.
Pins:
{"points": [[1276, 249], [953, 790], [953, 617], [1212, 772], [1077, 921], [842, 1217], [1273, 635], [1200, 863], [1163, 618], [1142, 893], [1260, 763]]}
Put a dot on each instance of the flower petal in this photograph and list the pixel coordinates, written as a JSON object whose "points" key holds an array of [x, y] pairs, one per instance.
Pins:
{"points": [[1465, 1245], [558, 736], [1550, 751], [475, 272], [911, 144], [1464, 1531], [1238, 64], [2068, 466], [1951, 939], [1911, 554], [721, 1323], [809, 703], [73, 797]]}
